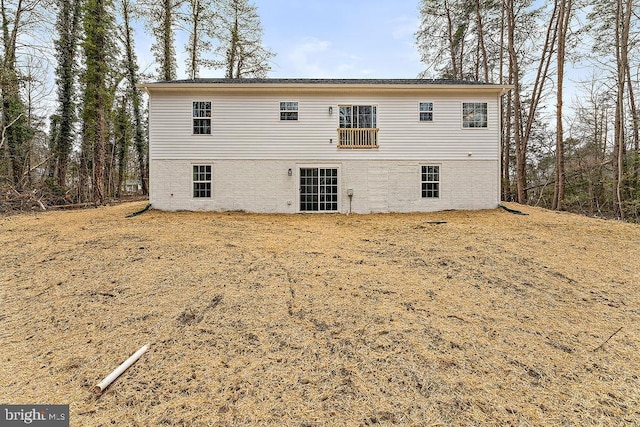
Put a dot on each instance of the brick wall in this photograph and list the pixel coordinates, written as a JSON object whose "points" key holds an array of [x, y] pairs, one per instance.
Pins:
{"points": [[378, 186]]}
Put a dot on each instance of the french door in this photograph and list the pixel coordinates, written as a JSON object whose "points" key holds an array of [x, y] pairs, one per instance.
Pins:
{"points": [[318, 189]]}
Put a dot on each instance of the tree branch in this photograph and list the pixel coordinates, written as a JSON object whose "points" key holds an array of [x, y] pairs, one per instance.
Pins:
{"points": [[4, 129], [607, 340]]}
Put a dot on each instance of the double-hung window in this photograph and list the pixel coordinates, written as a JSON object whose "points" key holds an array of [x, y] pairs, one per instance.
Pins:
{"points": [[430, 181], [426, 111], [288, 110], [202, 117], [201, 181], [474, 114]]}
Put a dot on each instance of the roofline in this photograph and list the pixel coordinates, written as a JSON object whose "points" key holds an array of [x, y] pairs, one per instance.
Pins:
{"points": [[325, 85]]}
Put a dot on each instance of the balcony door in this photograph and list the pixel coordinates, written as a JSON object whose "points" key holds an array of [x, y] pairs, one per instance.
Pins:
{"points": [[358, 126], [318, 189], [358, 116]]}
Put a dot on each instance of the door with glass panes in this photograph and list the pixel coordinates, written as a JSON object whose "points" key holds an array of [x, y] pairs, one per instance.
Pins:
{"points": [[318, 189]]}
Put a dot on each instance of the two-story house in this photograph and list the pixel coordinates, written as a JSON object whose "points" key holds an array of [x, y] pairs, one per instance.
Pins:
{"points": [[324, 145]]}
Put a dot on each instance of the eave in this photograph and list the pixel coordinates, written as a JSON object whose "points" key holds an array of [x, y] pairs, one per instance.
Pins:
{"points": [[323, 87]]}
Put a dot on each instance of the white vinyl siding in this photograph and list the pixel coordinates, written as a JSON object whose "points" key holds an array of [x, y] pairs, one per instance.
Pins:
{"points": [[245, 128]]}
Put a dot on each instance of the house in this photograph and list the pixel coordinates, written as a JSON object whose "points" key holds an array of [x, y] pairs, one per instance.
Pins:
{"points": [[324, 145], [132, 186]]}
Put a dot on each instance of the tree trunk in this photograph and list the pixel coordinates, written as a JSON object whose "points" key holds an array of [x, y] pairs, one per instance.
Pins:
{"points": [[232, 55], [122, 144], [168, 72], [132, 77], [562, 22], [14, 127], [451, 36], [194, 40], [514, 75], [69, 23], [623, 19], [635, 128], [506, 148], [482, 47], [97, 97]]}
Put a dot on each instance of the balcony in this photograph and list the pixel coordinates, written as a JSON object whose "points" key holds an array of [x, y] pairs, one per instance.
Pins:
{"points": [[357, 137]]}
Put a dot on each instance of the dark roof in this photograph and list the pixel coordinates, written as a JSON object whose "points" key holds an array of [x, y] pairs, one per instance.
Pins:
{"points": [[330, 81]]}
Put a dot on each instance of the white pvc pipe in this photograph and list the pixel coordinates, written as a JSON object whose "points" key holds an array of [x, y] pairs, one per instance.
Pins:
{"points": [[120, 369]]}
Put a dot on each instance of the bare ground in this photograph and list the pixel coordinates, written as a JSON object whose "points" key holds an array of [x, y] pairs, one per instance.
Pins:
{"points": [[487, 319]]}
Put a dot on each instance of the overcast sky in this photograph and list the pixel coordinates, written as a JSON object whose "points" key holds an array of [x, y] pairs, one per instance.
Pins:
{"points": [[341, 38], [330, 39]]}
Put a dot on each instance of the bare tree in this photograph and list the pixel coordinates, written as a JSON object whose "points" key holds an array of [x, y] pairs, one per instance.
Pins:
{"points": [[622, 28], [240, 35], [131, 72], [524, 115], [18, 19], [200, 24], [162, 20], [562, 24], [458, 39]]}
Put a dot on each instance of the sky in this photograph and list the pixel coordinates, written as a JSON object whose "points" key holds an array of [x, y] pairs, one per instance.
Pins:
{"points": [[334, 39], [341, 39]]}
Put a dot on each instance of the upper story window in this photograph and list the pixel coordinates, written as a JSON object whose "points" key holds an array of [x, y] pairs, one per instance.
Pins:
{"points": [[474, 114], [288, 110], [202, 117], [358, 116], [426, 111], [358, 126]]}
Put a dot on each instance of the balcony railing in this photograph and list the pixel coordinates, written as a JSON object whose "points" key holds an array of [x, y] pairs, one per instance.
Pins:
{"points": [[357, 137]]}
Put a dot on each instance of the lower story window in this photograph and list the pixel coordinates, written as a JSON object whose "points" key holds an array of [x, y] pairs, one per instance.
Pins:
{"points": [[430, 182], [201, 181]]}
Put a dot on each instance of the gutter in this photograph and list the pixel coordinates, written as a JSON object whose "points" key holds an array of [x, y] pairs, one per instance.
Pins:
{"points": [[322, 87]]}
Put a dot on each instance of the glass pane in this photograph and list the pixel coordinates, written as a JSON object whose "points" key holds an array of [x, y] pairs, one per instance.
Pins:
{"points": [[474, 114], [345, 117], [364, 116]]}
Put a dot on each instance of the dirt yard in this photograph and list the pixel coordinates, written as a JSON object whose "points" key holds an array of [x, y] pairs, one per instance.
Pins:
{"points": [[450, 318]]}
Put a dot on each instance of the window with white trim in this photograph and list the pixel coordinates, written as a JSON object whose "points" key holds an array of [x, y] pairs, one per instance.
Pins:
{"points": [[202, 117], [201, 181], [358, 126], [430, 181], [474, 114], [289, 110], [426, 111], [358, 116]]}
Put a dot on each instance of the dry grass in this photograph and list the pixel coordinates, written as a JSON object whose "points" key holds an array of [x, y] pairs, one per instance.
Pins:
{"points": [[488, 319]]}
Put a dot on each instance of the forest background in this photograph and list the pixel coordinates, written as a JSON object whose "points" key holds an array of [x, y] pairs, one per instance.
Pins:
{"points": [[74, 125]]}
